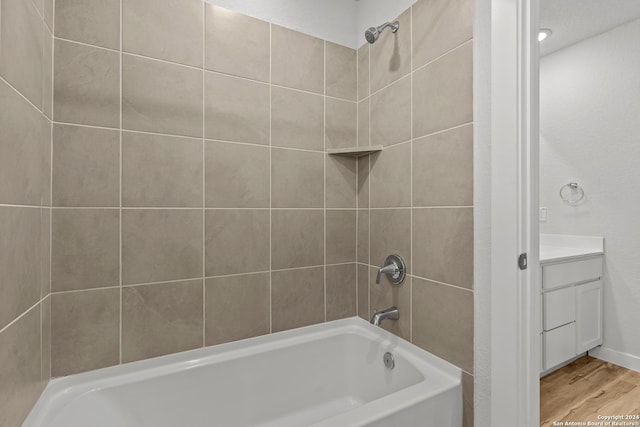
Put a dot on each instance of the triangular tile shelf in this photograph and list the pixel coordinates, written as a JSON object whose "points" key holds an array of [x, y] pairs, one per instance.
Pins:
{"points": [[354, 151]]}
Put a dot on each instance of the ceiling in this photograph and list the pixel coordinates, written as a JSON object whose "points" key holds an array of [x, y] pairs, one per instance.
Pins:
{"points": [[575, 20]]}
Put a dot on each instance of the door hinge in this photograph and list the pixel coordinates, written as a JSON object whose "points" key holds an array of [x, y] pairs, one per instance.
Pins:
{"points": [[522, 261]]}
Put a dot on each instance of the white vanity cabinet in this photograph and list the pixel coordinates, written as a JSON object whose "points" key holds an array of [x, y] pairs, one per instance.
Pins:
{"points": [[571, 300]]}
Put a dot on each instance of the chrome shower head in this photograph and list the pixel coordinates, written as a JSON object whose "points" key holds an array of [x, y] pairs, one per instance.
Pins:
{"points": [[373, 33]]}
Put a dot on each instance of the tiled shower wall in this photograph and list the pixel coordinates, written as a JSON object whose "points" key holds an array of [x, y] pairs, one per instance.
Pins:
{"points": [[193, 203], [25, 151], [415, 197]]}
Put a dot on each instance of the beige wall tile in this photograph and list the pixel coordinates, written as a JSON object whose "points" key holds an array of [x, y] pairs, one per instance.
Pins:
{"points": [[85, 249], [391, 177], [297, 179], [443, 245], [363, 181], [237, 241], [164, 29], [341, 236], [467, 400], [95, 22], [363, 291], [390, 233], [305, 69], [363, 236], [443, 321], [341, 71], [161, 170], [161, 244], [297, 298], [161, 97], [385, 295], [443, 92], [236, 109], [444, 24], [297, 238], [297, 119], [85, 331], [20, 259], [363, 123], [161, 319], [21, 48], [20, 369], [236, 175], [236, 307], [391, 54], [391, 114], [443, 169], [363, 71], [24, 151], [236, 44], [341, 123], [86, 166], [86, 85], [341, 291], [340, 182]]}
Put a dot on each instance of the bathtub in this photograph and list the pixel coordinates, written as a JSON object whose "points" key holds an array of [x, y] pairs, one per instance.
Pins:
{"points": [[327, 375]]}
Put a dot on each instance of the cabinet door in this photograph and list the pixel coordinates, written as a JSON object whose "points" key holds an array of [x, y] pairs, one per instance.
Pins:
{"points": [[559, 345], [588, 316]]}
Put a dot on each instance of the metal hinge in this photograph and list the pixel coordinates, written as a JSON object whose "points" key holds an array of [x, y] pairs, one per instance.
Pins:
{"points": [[522, 261]]}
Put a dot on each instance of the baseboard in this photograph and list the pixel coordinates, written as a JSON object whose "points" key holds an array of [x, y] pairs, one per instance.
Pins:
{"points": [[619, 358]]}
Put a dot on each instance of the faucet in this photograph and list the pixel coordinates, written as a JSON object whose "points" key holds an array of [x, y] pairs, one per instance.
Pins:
{"points": [[395, 269], [390, 313]]}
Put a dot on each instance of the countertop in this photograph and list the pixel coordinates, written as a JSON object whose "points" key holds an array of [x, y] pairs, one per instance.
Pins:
{"points": [[559, 247]]}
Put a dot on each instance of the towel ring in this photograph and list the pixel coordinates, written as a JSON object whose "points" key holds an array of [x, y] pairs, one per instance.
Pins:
{"points": [[571, 193]]}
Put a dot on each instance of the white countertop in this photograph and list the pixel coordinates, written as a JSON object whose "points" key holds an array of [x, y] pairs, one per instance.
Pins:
{"points": [[559, 247]]}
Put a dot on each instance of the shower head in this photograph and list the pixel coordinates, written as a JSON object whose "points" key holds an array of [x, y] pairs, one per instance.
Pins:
{"points": [[373, 33]]}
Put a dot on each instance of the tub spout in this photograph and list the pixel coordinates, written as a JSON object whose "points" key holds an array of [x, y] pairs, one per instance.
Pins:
{"points": [[390, 313]]}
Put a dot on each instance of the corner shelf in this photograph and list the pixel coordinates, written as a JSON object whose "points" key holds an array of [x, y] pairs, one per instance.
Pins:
{"points": [[354, 151]]}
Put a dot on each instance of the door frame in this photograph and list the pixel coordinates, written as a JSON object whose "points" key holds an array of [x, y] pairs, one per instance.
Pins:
{"points": [[515, 295]]}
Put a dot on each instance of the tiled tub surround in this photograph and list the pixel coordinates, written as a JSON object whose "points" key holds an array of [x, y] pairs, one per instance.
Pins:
{"points": [[193, 203], [26, 43], [415, 197]]}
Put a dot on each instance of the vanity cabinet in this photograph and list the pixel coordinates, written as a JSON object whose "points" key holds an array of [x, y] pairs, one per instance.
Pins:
{"points": [[571, 309]]}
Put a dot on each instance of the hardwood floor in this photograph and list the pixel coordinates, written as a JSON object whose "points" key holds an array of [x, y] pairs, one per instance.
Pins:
{"points": [[587, 388]]}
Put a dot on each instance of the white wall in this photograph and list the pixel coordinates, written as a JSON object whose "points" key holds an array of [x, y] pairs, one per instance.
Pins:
{"points": [[338, 21], [590, 133]]}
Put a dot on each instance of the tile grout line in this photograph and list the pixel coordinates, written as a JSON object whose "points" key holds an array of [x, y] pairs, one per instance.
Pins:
{"points": [[169, 135], [270, 181], [357, 284], [369, 183], [324, 173], [411, 74], [39, 110], [204, 181], [120, 207], [21, 315], [53, 62], [194, 67], [48, 376]]}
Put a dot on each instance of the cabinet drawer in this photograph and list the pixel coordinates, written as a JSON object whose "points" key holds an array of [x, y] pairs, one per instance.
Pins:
{"points": [[559, 308], [559, 345], [571, 272]]}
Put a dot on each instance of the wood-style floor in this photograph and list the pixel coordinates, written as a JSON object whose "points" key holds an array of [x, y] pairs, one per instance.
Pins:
{"points": [[587, 388]]}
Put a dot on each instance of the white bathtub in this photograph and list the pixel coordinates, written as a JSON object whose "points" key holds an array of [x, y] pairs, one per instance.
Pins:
{"points": [[323, 375]]}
